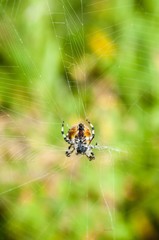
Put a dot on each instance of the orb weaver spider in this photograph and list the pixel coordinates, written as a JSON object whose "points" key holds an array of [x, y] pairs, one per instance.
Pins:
{"points": [[79, 138]]}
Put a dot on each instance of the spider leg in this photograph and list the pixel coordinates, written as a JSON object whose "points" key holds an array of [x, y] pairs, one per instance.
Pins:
{"points": [[90, 155], [69, 150], [92, 129], [94, 146], [63, 134]]}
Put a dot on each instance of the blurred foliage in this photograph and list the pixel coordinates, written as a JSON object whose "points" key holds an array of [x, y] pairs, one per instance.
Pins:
{"points": [[68, 60]]}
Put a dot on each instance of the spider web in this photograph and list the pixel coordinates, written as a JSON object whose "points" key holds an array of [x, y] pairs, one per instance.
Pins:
{"points": [[87, 59]]}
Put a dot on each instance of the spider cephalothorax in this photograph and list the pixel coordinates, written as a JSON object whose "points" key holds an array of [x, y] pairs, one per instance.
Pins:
{"points": [[79, 137]]}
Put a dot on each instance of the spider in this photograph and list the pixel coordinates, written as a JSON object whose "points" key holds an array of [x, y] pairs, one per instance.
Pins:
{"points": [[79, 138]]}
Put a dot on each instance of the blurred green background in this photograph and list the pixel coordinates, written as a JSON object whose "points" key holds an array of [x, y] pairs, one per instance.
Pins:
{"points": [[69, 60]]}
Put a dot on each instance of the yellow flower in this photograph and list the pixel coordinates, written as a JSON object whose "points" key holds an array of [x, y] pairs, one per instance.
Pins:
{"points": [[102, 45]]}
